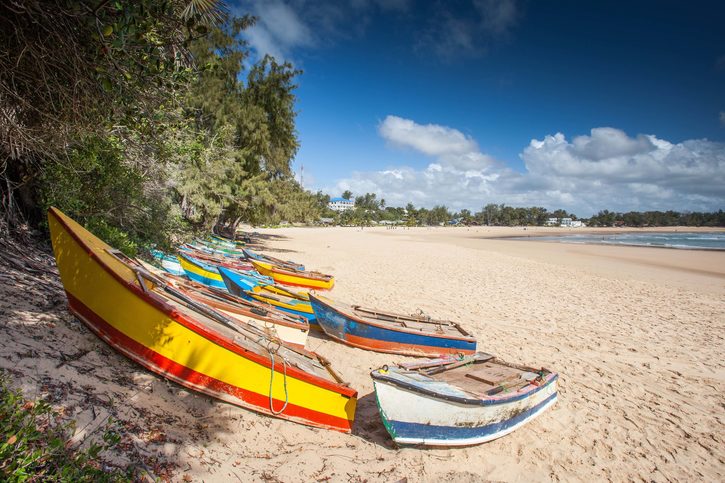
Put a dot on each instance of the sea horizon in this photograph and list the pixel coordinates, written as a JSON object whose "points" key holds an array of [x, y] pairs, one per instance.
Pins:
{"points": [[689, 240]]}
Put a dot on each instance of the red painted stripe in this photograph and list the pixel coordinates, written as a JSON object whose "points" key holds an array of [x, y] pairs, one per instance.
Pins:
{"points": [[159, 303], [197, 381], [400, 348]]}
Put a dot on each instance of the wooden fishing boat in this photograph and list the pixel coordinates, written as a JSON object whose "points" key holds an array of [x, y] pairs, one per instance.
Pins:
{"points": [[460, 401], [198, 247], [220, 249], [236, 239], [206, 273], [281, 298], [168, 262], [286, 264], [217, 260], [291, 329], [414, 335], [200, 272], [161, 329], [285, 276], [224, 242]]}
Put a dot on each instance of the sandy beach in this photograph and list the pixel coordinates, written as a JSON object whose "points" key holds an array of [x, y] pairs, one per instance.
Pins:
{"points": [[636, 334]]}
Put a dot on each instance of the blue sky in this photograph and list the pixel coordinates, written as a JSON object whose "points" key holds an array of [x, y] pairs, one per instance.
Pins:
{"points": [[566, 104]]}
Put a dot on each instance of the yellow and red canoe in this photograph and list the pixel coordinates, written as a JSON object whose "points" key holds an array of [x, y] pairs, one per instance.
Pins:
{"points": [[198, 348], [298, 278]]}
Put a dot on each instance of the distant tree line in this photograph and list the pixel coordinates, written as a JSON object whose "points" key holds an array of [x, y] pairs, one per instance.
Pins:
{"points": [[657, 218], [369, 209]]}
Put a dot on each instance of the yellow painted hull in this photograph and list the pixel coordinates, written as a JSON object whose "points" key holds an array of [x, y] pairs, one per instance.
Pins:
{"points": [[298, 279], [262, 295], [105, 294]]}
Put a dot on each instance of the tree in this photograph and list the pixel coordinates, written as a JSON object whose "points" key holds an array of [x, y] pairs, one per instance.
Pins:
{"points": [[465, 216], [70, 70], [347, 194]]}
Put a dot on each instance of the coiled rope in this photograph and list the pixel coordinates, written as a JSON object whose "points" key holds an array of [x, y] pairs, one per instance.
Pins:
{"points": [[271, 381]]}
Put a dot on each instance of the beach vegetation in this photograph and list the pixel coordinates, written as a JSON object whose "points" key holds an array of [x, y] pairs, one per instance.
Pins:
{"points": [[145, 121], [35, 444]]}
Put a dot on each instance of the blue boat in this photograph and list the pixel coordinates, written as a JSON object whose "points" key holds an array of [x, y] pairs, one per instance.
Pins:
{"points": [[414, 335], [460, 400], [263, 289], [201, 272]]}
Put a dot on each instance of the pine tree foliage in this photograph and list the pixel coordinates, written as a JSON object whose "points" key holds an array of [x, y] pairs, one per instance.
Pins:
{"points": [[170, 128]]}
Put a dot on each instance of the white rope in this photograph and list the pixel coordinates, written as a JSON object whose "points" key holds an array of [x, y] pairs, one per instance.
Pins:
{"points": [[271, 381]]}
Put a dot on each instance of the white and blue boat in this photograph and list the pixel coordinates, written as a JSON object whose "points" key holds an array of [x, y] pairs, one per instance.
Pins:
{"points": [[168, 262], [460, 401]]}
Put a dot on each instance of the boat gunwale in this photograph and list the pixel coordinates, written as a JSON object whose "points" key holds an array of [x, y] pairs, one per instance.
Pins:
{"points": [[377, 376], [208, 258], [239, 309], [303, 274], [208, 333], [249, 254], [462, 337], [256, 296]]}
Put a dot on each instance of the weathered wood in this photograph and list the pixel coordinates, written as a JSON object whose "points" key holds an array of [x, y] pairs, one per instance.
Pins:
{"points": [[493, 374]]}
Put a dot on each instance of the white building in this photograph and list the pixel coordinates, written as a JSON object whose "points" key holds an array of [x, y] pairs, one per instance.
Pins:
{"points": [[552, 222], [340, 204]]}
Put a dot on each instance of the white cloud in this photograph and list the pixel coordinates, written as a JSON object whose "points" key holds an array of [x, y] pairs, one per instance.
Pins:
{"points": [[278, 30], [285, 26], [606, 169], [430, 139]]}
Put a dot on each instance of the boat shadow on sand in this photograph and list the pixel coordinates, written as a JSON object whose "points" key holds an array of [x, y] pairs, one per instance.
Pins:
{"points": [[56, 357], [368, 425]]}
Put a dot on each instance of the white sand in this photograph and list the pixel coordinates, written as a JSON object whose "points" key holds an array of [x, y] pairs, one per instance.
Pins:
{"points": [[637, 335]]}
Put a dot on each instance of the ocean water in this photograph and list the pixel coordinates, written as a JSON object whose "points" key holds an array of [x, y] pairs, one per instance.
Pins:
{"points": [[683, 240]]}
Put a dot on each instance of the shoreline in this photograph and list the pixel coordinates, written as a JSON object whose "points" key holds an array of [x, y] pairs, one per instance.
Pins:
{"points": [[636, 245], [543, 231]]}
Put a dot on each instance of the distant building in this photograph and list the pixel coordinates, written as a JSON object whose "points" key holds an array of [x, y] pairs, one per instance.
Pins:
{"points": [[552, 222], [340, 204], [566, 221]]}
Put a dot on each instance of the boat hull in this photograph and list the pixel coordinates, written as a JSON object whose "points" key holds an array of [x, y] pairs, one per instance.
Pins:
{"points": [[169, 263], [201, 272], [103, 293], [250, 255], [301, 308], [254, 290], [288, 278], [357, 333], [415, 418]]}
